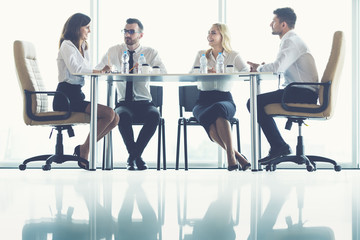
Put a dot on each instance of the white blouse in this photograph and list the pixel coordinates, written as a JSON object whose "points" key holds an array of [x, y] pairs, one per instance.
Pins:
{"points": [[71, 61], [230, 58]]}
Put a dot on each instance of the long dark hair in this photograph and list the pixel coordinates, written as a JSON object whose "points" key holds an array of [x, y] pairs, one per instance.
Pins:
{"points": [[71, 30]]}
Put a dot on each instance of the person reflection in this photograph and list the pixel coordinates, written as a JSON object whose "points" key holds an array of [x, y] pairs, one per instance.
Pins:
{"points": [[278, 196], [129, 228], [100, 215], [217, 222]]}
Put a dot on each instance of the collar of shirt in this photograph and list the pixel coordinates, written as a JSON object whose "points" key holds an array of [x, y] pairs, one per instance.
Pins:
{"points": [[287, 36], [138, 49], [213, 57], [83, 45]]}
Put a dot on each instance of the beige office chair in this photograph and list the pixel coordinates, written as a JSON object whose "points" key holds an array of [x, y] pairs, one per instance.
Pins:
{"points": [[296, 112], [35, 111]]}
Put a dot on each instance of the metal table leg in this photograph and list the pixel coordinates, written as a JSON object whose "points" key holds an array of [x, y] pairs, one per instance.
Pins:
{"points": [[93, 122], [108, 150], [253, 123]]}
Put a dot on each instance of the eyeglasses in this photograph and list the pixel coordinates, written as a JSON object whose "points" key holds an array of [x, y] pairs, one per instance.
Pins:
{"points": [[131, 31]]}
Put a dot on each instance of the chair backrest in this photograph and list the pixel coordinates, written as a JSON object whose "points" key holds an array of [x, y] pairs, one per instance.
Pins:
{"points": [[333, 71], [157, 96], [29, 77], [188, 95]]}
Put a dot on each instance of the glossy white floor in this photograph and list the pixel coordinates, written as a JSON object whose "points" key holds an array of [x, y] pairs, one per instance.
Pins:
{"points": [[198, 204]]}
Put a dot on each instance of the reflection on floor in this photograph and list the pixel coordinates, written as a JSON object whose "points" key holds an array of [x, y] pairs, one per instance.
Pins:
{"points": [[198, 204]]}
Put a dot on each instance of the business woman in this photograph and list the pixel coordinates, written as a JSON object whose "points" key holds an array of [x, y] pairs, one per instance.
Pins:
{"points": [[215, 106], [73, 57]]}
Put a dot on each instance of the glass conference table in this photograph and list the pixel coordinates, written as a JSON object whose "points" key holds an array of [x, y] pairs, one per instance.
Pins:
{"points": [[253, 77]]}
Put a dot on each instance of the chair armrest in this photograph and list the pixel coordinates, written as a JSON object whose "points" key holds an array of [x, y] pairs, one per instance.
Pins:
{"points": [[322, 107], [32, 116]]}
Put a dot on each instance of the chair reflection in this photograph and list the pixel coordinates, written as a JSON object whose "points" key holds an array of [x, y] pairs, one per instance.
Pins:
{"points": [[294, 231], [60, 227], [100, 223], [218, 221]]}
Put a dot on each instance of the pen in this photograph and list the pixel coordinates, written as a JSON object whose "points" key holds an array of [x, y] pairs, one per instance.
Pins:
{"points": [[131, 69]]}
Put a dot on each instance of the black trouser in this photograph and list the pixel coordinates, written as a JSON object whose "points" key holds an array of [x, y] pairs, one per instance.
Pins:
{"points": [[137, 112], [267, 123]]}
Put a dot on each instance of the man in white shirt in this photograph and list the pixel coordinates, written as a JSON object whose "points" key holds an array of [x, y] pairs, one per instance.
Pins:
{"points": [[296, 63], [134, 98]]}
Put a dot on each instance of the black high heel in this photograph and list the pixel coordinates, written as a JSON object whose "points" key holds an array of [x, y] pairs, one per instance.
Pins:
{"points": [[82, 163], [246, 166], [233, 167]]}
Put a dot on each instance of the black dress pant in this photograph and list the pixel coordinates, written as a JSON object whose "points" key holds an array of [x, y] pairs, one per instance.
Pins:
{"points": [[267, 123], [137, 112]]}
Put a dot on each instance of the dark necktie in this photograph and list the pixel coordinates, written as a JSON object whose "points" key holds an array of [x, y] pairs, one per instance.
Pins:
{"points": [[129, 84]]}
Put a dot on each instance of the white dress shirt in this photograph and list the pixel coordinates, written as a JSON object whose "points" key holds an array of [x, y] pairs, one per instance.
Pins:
{"points": [[141, 90], [295, 61], [230, 58], [70, 61]]}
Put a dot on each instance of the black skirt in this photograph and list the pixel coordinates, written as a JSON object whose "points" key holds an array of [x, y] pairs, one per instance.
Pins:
{"points": [[75, 95], [213, 104]]}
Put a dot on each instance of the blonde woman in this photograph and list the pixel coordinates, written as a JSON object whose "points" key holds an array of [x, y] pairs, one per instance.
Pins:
{"points": [[215, 106]]}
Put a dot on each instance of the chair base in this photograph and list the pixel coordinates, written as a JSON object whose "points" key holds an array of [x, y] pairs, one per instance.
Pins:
{"points": [[59, 156], [49, 159], [300, 158], [309, 161]]}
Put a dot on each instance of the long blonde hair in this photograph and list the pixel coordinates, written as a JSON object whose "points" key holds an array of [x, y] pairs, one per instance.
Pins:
{"points": [[225, 33]]}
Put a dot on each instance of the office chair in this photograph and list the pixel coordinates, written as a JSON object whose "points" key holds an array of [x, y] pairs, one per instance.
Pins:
{"points": [[188, 96], [266, 223], [35, 110], [157, 98], [298, 112]]}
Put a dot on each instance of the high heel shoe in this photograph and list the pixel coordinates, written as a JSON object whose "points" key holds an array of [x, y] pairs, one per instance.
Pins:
{"points": [[233, 167], [246, 166], [82, 163]]}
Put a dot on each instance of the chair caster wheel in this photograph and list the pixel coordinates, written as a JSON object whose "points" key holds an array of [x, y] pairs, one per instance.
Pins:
{"points": [[22, 167], [46, 167], [267, 168], [337, 168], [310, 168], [272, 167]]}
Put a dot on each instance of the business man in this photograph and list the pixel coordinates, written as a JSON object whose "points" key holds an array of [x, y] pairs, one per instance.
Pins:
{"points": [[134, 98], [297, 64]]}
